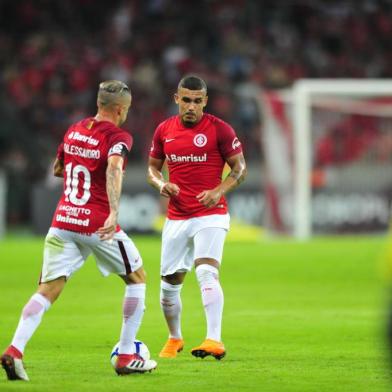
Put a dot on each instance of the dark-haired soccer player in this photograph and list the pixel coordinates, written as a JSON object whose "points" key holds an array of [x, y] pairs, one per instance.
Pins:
{"points": [[196, 146], [91, 159]]}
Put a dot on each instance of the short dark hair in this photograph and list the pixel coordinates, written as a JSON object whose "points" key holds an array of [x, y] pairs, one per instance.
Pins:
{"points": [[192, 82]]}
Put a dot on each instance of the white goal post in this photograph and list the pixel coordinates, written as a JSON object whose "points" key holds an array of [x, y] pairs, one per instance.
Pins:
{"points": [[302, 93], [336, 112]]}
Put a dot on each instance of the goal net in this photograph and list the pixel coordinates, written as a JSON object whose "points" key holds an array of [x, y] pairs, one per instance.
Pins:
{"points": [[328, 157]]}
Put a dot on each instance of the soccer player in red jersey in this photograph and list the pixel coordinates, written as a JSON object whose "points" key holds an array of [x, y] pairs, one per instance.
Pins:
{"points": [[91, 159], [196, 146]]}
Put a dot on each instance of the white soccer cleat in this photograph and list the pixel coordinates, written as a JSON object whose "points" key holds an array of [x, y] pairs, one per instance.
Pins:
{"points": [[14, 368], [134, 364]]}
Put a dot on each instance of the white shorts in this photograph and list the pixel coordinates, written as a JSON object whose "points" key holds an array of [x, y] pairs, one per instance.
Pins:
{"points": [[184, 241], [66, 251]]}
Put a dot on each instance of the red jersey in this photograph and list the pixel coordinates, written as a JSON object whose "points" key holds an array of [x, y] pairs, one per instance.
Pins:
{"points": [[195, 158], [85, 149]]}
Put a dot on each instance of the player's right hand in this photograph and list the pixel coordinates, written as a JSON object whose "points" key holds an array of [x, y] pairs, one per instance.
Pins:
{"points": [[169, 189], [107, 231]]}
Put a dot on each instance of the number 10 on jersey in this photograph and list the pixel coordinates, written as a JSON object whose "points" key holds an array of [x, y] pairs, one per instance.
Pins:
{"points": [[73, 186]]}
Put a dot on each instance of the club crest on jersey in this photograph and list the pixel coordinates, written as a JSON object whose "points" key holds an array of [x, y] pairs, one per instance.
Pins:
{"points": [[236, 143], [200, 140]]}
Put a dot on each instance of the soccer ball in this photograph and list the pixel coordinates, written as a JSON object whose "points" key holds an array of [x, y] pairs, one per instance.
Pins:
{"points": [[139, 348]]}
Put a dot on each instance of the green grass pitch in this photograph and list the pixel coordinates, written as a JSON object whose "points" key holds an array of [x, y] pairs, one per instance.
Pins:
{"points": [[298, 317]]}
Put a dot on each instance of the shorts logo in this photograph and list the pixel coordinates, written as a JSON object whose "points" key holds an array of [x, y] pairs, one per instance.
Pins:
{"points": [[236, 143], [200, 140]]}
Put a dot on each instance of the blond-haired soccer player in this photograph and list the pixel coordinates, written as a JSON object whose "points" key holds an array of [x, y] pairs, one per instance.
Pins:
{"points": [[91, 159], [196, 146]]}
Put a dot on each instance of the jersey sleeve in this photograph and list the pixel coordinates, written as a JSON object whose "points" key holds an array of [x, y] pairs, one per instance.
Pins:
{"points": [[156, 149], [228, 141], [120, 144]]}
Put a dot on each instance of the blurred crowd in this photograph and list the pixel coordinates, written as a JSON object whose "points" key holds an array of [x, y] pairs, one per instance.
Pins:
{"points": [[54, 53]]}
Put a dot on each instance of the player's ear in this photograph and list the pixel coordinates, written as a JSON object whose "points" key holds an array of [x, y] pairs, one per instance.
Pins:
{"points": [[176, 98], [205, 101]]}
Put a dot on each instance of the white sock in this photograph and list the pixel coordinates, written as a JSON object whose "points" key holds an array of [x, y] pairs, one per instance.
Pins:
{"points": [[171, 306], [212, 297], [30, 320], [133, 310]]}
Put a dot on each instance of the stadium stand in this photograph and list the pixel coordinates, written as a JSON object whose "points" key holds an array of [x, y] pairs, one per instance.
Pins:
{"points": [[53, 53]]}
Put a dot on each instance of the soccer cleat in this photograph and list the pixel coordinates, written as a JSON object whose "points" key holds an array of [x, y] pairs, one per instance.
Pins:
{"points": [[134, 363], [171, 348], [12, 363], [209, 347]]}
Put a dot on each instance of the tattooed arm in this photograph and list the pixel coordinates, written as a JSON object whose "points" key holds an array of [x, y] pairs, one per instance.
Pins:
{"points": [[238, 172], [114, 178]]}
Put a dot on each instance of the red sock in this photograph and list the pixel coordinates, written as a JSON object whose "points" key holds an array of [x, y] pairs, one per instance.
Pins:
{"points": [[14, 352]]}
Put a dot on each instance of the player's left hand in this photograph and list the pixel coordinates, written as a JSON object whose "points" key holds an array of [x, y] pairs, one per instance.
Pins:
{"points": [[209, 198], [107, 231]]}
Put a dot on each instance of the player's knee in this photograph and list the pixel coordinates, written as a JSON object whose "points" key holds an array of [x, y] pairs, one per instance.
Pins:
{"points": [[208, 261], [138, 276], [206, 274], [52, 290], [174, 279]]}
